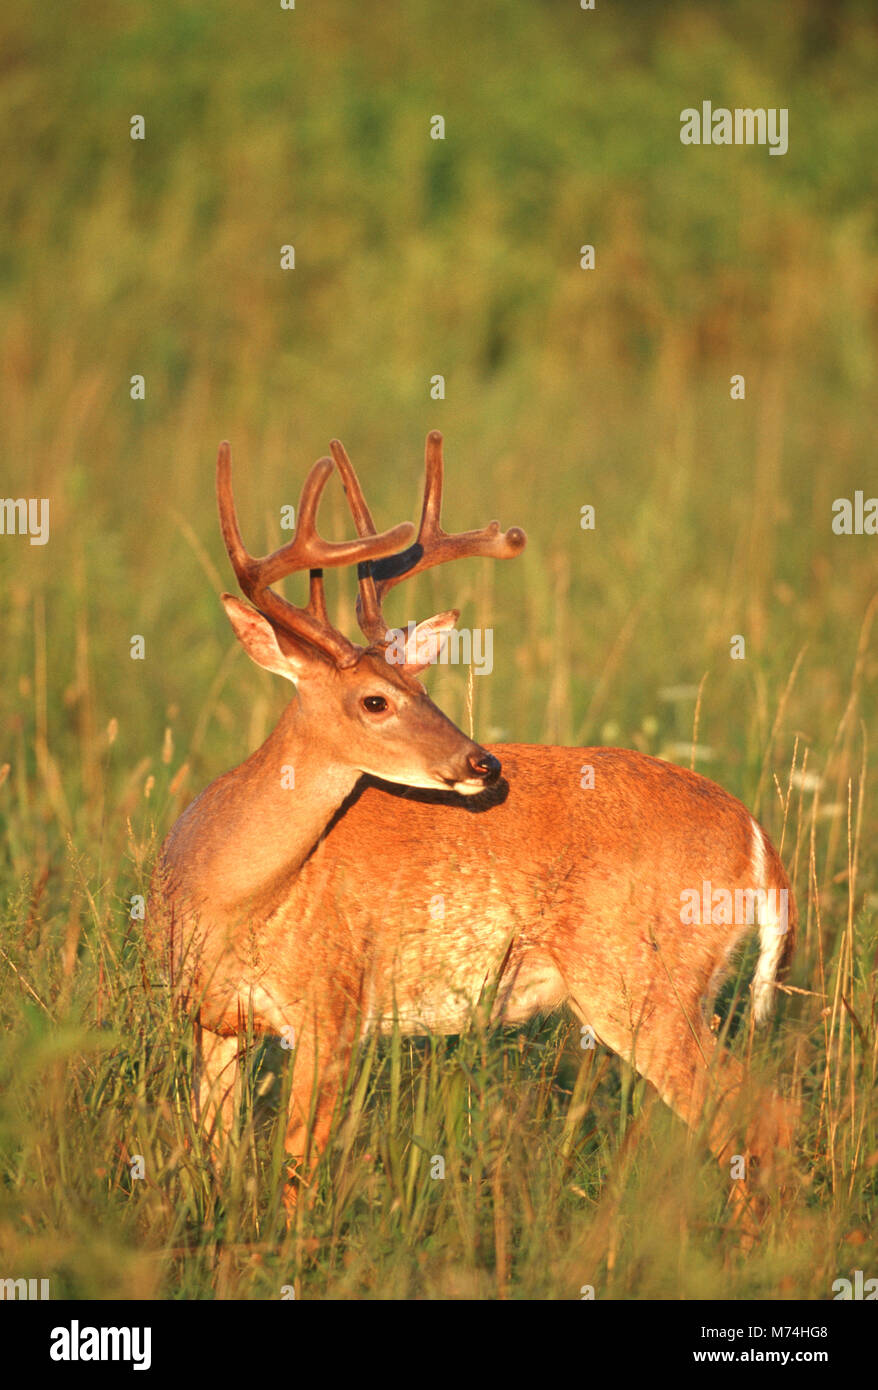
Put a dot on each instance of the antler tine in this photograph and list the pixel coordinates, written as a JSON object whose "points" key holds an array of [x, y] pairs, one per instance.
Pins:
{"points": [[434, 469], [306, 550], [369, 614], [303, 550], [228, 516], [433, 545], [437, 545]]}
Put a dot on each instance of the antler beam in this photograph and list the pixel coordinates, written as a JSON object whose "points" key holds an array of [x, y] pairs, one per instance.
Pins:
{"points": [[306, 550], [432, 547]]}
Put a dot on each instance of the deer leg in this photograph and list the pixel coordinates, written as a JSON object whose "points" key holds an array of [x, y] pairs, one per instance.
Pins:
{"points": [[313, 1093], [213, 1095], [704, 1083], [750, 1130]]}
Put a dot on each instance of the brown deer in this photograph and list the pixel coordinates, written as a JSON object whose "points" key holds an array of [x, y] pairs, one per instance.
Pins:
{"points": [[370, 866]]}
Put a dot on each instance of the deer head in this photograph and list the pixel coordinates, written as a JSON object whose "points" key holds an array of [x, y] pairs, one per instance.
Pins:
{"points": [[364, 706]]}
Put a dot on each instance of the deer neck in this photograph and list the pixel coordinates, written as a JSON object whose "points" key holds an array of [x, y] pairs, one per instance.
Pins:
{"points": [[251, 831]]}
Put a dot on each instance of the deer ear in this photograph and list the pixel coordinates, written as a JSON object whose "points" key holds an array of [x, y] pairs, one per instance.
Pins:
{"points": [[259, 640], [425, 642]]}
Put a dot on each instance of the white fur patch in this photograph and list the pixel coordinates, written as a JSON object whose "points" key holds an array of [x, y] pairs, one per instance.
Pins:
{"points": [[773, 917]]}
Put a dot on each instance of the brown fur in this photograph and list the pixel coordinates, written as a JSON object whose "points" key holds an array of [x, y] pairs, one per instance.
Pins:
{"points": [[575, 893]]}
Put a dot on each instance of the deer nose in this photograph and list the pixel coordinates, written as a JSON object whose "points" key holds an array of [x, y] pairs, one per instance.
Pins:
{"points": [[485, 765]]}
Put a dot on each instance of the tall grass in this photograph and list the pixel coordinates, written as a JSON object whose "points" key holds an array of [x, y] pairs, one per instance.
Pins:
{"points": [[564, 387]]}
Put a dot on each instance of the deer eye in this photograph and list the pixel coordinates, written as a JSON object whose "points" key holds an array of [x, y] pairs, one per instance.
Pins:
{"points": [[374, 703]]}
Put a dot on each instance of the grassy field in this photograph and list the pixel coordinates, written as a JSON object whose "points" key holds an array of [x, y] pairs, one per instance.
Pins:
{"points": [[564, 387]]}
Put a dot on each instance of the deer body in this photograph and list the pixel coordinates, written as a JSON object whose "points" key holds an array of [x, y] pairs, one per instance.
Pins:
{"points": [[399, 878]]}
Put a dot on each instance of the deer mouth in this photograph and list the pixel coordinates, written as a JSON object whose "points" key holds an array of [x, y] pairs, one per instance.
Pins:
{"points": [[484, 772], [470, 787]]}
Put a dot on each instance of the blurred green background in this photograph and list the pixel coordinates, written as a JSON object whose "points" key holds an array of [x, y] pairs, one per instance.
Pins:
{"points": [[416, 257], [459, 257]]}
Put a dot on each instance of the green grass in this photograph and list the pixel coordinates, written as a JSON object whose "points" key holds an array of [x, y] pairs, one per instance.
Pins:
{"points": [[564, 387]]}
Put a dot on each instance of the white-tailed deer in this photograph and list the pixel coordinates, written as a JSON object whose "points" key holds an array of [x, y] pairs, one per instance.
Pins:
{"points": [[369, 866]]}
